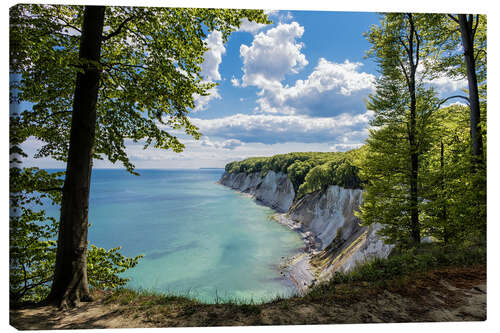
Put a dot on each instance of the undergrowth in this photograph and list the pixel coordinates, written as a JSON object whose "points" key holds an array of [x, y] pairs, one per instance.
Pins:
{"points": [[402, 264]]}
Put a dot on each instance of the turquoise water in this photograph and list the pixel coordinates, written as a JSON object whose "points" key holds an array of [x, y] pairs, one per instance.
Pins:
{"points": [[199, 238]]}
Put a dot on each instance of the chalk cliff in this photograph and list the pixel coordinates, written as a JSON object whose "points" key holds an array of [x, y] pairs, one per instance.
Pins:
{"points": [[274, 189], [335, 240]]}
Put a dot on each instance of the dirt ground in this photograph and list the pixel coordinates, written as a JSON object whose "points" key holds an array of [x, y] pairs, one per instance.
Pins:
{"points": [[444, 295]]}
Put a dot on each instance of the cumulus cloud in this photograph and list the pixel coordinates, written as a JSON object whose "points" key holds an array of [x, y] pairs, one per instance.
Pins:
{"points": [[272, 55], [330, 90], [213, 56], [250, 26], [202, 102], [446, 84], [253, 27], [270, 129], [226, 144], [210, 68], [235, 82], [231, 144], [441, 82]]}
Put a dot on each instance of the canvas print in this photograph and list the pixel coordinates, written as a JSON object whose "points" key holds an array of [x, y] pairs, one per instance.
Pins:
{"points": [[198, 167]]}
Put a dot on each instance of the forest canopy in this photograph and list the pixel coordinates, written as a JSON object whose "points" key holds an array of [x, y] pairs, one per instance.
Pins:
{"points": [[308, 171]]}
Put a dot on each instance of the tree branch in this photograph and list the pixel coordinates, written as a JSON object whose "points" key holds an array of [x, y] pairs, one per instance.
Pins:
{"points": [[404, 45], [478, 53], [453, 18], [53, 114], [66, 22], [111, 64], [119, 29], [475, 27], [50, 189], [454, 96], [417, 51], [404, 71]]}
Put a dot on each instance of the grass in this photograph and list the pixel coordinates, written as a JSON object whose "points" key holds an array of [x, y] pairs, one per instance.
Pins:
{"points": [[395, 270], [415, 260], [371, 277], [401, 288]]}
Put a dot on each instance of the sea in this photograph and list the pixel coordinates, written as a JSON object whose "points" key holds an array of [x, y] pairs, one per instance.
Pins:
{"points": [[199, 239]]}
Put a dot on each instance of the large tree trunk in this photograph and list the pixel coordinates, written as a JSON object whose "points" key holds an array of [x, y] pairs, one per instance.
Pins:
{"points": [[466, 30], [70, 283], [414, 224]]}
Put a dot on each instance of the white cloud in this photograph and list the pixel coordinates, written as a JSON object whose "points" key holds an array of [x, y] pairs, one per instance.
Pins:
{"points": [[441, 82], [269, 129], [345, 146], [254, 27], [226, 144], [331, 89], [231, 144], [250, 26], [235, 82], [210, 68], [213, 56], [202, 102], [446, 84], [272, 55]]}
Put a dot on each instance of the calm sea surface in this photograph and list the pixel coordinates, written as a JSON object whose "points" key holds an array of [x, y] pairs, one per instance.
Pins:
{"points": [[199, 238]]}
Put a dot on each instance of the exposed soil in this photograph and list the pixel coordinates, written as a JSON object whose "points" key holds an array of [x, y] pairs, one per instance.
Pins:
{"points": [[453, 294]]}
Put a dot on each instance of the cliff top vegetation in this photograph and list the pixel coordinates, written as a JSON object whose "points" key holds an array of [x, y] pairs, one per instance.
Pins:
{"points": [[308, 171]]}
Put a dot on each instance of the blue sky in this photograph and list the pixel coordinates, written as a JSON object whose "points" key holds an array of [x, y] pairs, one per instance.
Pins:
{"points": [[299, 84]]}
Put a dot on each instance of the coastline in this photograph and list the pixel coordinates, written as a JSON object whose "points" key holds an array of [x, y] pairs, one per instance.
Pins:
{"points": [[295, 268]]}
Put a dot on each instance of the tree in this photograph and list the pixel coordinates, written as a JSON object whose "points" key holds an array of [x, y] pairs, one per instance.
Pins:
{"points": [[460, 52], [137, 80], [460, 46], [32, 233], [468, 30], [454, 213], [402, 106]]}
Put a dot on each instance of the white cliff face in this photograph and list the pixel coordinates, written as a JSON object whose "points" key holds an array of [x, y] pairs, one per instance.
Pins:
{"points": [[327, 216], [274, 190], [372, 247], [326, 213]]}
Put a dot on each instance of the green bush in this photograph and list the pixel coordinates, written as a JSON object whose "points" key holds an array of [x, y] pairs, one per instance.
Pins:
{"points": [[415, 260], [32, 244]]}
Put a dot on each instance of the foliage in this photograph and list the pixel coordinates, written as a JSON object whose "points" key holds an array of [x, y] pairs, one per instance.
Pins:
{"points": [[32, 233], [451, 201], [307, 171], [448, 50], [151, 73], [150, 77], [408, 262], [105, 266], [400, 136], [455, 209]]}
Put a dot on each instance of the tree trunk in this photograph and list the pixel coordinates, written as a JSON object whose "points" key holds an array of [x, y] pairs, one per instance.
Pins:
{"points": [[444, 214], [467, 33], [70, 283], [414, 225]]}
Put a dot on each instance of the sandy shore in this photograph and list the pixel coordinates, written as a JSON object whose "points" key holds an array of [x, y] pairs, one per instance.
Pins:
{"points": [[297, 268]]}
